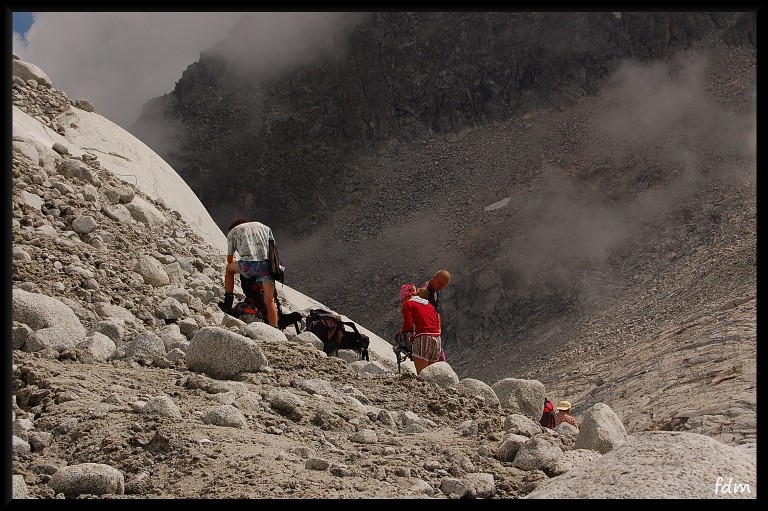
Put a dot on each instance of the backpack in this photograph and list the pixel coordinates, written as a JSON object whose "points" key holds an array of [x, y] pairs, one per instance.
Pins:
{"points": [[433, 297], [255, 305], [330, 329], [548, 415], [276, 268]]}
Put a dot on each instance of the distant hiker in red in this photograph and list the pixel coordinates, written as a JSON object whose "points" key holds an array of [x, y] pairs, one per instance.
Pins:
{"points": [[548, 415], [564, 414], [420, 318]]}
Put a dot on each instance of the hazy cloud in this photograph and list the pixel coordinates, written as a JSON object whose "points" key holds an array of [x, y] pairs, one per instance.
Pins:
{"points": [[662, 136], [120, 60], [265, 42]]}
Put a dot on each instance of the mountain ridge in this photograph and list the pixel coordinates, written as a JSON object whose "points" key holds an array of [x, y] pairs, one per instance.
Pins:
{"points": [[353, 218]]}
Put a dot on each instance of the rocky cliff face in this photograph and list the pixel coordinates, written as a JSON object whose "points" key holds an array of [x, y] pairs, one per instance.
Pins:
{"points": [[376, 168], [391, 76]]}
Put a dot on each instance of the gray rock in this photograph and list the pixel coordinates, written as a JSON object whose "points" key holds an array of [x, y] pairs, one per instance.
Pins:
{"points": [[144, 212], [659, 465], [573, 458], [163, 406], [109, 311], [225, 415], [152, 271], [364, 436], [525, 397], [188, 327], [26, 150], [98, 345], [317, 464], [510, 446], [28, 71], [113, 328], [170, 308], [480, 485], [261, 331], [537, 454], [39, 440], [19, 447], [35, 201], [55, 324], [224, 354], [83, 104], [145, 346], [521, 425], [60, 148], [600, 430], [248, 402], [473, 387], [453, 488], [317, 386], [19, 488], [442, 374], [20, 255], [118, 213], [84, 225], [20, 333], [72, 168], [88, 478]]}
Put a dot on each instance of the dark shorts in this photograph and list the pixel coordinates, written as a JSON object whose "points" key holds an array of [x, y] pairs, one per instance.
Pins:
{"points": [[256, 269]]}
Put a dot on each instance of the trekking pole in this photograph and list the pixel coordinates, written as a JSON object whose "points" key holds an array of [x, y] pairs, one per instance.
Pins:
{"points": [[401, 345], [396, 349]]}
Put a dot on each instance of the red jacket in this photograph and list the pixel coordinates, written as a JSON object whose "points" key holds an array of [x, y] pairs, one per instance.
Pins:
{"points": [[420, 313]]}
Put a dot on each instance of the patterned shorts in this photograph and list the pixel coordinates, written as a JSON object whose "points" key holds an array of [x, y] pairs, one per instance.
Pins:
{"points": [[256, 269], [426, 347]]}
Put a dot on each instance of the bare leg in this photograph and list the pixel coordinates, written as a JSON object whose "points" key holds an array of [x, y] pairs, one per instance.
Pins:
{"points": [[269, 301], [229, 277], [420, 364], [229, 287]]}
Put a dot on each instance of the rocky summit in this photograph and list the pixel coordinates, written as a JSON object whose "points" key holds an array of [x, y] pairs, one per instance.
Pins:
{"points": [[129, 383]]}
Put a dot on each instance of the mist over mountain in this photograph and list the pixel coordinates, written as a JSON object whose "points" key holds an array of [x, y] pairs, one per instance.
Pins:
{"points": [[376, 162]]}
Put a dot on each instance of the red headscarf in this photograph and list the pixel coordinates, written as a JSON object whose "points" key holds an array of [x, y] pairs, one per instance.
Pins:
{"points": [[407, 291]]}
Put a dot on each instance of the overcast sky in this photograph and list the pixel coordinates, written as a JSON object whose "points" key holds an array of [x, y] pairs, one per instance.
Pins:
{"points": [[120, 60]]}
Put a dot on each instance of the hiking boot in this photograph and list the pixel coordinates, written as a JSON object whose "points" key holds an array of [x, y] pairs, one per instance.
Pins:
{"points": [[226, 305]]}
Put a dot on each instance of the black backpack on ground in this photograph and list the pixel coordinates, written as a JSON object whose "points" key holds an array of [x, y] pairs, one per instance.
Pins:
{"points": [[335, 334], [255, 305], [548, 414]]}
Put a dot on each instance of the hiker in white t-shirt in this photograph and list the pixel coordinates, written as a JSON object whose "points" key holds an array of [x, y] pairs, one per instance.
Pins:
{"points": [[250, 240]]}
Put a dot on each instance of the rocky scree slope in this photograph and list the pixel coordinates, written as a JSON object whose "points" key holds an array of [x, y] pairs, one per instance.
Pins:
{"points": [[614, 240], [113, 301]]}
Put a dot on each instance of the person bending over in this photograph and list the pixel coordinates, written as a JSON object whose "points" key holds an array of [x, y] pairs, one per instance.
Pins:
{"points": [[250, 239]]}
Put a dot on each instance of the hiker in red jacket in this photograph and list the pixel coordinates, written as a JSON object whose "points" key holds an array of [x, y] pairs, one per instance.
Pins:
{"points": [[420, 318]]}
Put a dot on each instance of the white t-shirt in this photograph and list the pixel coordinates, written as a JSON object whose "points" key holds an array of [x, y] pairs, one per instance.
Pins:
{"points": [[250, 240]]}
